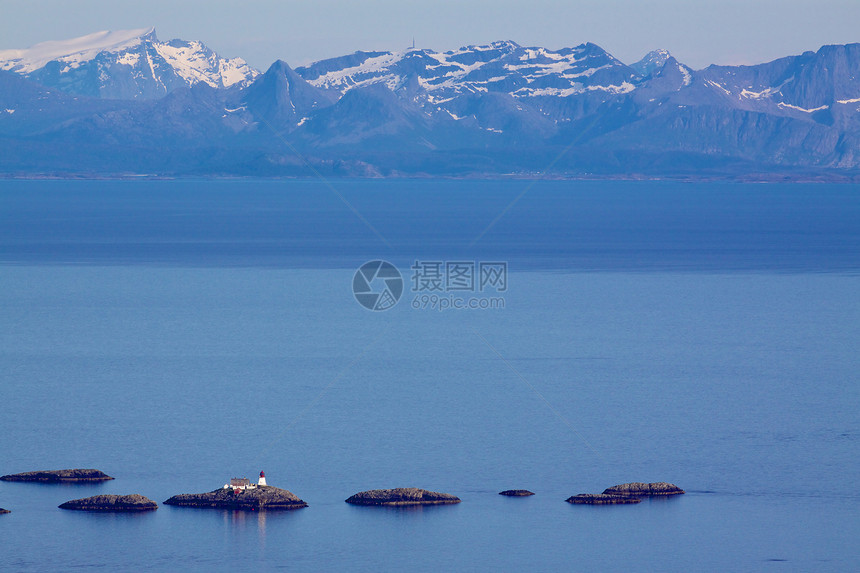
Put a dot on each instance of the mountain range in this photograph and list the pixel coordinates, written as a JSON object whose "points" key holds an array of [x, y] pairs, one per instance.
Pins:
{"points": [[125, 103]]}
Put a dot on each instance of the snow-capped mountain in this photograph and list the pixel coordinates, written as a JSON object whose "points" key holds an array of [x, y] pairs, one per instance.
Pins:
{"points": [[501, 88], [500, 67], [127, 64], [124, 101]]}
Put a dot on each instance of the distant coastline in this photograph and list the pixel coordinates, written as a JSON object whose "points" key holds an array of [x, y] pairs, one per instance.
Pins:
{"points": [[481, 111], [824, 177]]}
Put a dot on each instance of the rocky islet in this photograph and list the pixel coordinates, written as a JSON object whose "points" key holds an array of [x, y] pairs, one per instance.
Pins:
{"points": [[259, 498], [625, 493], [130, 503], [644, 489], [601, 499], [60, 476], [401, 496]]}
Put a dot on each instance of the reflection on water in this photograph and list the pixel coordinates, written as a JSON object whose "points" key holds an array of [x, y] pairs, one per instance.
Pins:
{"points": [[240, 518], [114, 518], [255, 520], [404, 510]]}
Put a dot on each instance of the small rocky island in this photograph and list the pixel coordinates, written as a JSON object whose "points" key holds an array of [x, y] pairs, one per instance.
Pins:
{"points": [[60, 476], [516, 492], [637, 489], [601, 499], [401, 496], [241, 494], [626, 493], [260, 497], [132, 502]]}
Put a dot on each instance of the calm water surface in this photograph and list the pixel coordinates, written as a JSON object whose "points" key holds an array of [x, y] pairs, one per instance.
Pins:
{"points": [[177, 334]]}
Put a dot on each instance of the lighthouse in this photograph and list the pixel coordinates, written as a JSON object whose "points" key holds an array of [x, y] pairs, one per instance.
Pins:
{"points": [[262, 479]]}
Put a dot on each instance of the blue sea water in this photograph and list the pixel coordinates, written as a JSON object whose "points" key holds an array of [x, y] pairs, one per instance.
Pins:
{"points": [[176, 334]]}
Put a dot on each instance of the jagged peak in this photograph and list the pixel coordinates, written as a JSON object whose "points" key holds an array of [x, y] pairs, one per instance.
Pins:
{"points": [[660, 53], [591, 47], [281, 71], [278, 66], [651, 62], [280, 89], [504, 44], [150, 34]]}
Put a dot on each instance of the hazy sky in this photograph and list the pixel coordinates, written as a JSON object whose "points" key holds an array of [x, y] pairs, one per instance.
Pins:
{"points": [[697, 32]]}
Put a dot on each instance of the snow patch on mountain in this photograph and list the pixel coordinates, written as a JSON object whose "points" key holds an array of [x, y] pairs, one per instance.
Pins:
{"points": [[685, 71], [576, 89], [718, 86], [128, 59], [75, 51], [766, 92], [371, 70], [803, 109]]}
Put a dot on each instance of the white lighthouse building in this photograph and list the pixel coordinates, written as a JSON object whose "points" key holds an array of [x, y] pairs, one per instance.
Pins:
{"points": [[262, 479]]}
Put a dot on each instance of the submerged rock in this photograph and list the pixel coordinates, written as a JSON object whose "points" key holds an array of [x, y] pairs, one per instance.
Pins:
{"points": [[516, 492], [639, 489], [132, 502], [402, 496], [601, 499], [261, 497], [57, 476]]}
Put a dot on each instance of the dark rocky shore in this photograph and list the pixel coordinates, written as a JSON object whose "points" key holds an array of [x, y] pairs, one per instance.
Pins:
{"points": [[636, 489], [262, 497], [516, 492], [132, 502], [601, 499], [402, 496], [59, 476]]}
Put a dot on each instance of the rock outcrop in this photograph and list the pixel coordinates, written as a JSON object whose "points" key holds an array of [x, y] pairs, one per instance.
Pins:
{"points": [[58, 476], [133, 502], [402, 496], [601, 499], [637, 489], [262, 497], [516, 492]]}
